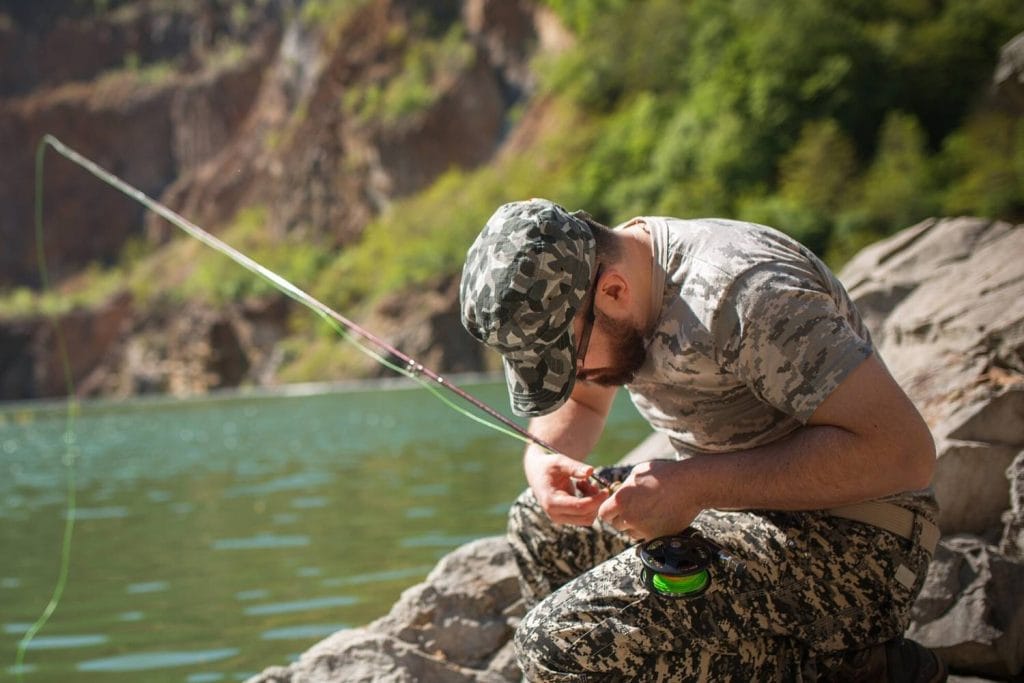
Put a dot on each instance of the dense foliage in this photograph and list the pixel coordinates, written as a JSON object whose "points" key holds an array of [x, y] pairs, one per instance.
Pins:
{"points": [[838, 121]]}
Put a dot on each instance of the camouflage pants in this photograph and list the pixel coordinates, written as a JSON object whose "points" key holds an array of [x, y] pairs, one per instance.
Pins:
{"points": [[806, 588]]}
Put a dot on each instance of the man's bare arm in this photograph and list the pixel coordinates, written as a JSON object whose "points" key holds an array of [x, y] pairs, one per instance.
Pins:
{"points": [[576, 426], [865, 441], [574, 430]]}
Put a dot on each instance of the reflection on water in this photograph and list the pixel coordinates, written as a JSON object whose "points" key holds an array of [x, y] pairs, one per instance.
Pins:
{"points": [[145, 661], [217, 537], [303, 632], [147, 587], [111, 512], [303, 605], [62, 642], [436, 540], [260, 542]]}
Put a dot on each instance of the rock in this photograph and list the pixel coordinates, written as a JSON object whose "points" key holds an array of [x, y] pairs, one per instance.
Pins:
{"points": [[87, 337], [455, 627], [1008, 80], [425, 325], [90, 88], [261, 124], [945, 304], [330, 170], [504, 29], [969, 611], [654, 447], [181, 349], [1012, 543]]}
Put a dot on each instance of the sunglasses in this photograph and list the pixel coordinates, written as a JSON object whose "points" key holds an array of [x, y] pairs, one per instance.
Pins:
{"points": [[588, 322]]}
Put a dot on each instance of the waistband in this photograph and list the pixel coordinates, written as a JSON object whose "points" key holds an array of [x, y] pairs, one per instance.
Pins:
{"points": [[893, 518]]}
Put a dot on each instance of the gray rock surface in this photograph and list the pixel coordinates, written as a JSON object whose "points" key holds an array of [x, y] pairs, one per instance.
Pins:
{"points": [[945, 302], [969, 611], [455, 627]]}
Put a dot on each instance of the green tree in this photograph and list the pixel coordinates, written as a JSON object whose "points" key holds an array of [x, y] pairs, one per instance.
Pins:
{"points": [[985, 165], [815, 180], [899, 188], [820, 169], [945, 57], [615, 176]]}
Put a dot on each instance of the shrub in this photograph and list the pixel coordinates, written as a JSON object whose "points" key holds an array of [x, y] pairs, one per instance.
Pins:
{"points": [[984, 163]]}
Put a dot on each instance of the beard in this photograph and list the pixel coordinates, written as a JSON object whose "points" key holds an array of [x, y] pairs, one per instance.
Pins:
{"points": [[627, 351]]}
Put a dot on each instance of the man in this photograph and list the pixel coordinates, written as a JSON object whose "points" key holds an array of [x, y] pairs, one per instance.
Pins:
{"points": [[801, 461]]}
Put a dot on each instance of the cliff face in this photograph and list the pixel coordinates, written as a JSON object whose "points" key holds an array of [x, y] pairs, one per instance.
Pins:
{"points": [[213, 107], [147, 90], [210, 110]]}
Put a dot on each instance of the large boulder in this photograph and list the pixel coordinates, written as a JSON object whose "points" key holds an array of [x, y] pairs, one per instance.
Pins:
{"points": [[945, 303], [970, 612], [455, 627]]}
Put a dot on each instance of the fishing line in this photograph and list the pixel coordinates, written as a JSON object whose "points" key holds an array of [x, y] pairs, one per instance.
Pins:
{"points": [[384, 353], [70, 447], [348, 329]]}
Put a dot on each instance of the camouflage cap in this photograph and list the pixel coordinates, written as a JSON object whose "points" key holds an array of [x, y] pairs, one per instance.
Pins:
{"points": [[525, 277]]}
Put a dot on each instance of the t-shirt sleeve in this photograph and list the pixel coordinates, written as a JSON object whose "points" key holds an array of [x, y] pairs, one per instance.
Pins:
{"points": [[782, 333]]}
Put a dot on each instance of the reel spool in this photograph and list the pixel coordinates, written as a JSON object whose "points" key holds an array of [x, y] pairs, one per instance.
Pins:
{"points": [[676, 566]]}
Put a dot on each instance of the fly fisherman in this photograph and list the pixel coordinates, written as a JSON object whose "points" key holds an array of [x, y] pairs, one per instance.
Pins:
{"points": [[801, 462]]}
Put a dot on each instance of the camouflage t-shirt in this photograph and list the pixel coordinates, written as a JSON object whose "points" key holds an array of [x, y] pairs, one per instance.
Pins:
{"points": [[754, 333]]}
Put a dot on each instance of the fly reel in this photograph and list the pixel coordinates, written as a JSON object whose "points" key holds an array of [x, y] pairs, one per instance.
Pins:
{"points": [[677, 565]]}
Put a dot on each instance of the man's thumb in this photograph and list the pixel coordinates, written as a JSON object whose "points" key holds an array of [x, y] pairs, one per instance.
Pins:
{"points": [[579, 470]]}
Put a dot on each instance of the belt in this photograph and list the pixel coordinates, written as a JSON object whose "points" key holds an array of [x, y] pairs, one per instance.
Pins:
{"points": [[893, 518]]}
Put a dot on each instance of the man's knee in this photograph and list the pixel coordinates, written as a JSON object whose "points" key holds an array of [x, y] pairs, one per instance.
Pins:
{"points": [[525, 517], [541, 653]]}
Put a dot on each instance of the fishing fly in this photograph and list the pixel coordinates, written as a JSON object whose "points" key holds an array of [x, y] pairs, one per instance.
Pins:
{"points": [[364, 340]]}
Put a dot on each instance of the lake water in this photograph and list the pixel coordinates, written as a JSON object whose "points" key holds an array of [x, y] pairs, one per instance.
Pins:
{"points": [[217, 537]]}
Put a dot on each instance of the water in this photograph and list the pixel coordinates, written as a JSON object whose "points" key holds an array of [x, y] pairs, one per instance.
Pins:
{"points": [[217, 537]]}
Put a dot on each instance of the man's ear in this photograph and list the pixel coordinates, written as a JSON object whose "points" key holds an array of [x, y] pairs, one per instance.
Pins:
{"points": [[613, 289]]}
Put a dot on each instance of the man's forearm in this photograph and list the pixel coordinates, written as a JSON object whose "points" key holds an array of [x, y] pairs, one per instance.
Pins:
{"points": [[573, 429], [815, 467], [865, 441]]}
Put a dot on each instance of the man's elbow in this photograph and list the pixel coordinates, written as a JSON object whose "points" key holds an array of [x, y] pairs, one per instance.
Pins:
{"points": [[919, 460]]}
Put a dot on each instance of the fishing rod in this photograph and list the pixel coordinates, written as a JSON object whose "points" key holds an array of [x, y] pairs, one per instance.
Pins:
{"points": [[405, 365], [362, 339]]}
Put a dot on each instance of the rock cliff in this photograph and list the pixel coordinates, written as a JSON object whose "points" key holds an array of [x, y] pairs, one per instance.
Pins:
{"points": [[210, 110]]}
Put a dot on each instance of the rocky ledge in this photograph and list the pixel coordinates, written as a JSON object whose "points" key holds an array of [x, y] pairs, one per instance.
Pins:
{"points": [[945, 302]]}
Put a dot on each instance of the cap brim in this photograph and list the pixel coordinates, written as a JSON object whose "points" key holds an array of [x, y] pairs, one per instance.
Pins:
{"points": [[540, 382]]}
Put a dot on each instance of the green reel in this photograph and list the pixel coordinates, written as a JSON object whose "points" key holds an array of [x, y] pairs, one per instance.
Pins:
{"points": [[676, 566]]}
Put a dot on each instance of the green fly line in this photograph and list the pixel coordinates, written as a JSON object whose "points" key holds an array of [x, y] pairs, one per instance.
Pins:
{"points": [[70, 447], [346, 329]]}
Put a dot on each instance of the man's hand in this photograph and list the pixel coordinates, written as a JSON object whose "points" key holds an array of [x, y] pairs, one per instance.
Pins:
{"points": [[651, 502], [555, 480]]}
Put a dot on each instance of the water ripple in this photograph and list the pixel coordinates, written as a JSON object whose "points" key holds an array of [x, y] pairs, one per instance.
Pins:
{"points": [[302, 605], [110, 512], [303, 631], [145, 661], [64, 642], [147, 587], [260, 542]]}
